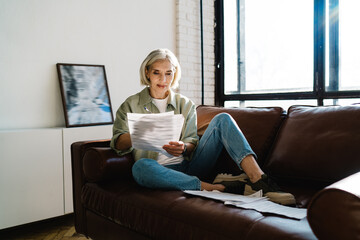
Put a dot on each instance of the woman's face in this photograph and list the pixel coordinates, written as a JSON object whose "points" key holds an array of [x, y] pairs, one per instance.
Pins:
{"points": [[160, 75]]}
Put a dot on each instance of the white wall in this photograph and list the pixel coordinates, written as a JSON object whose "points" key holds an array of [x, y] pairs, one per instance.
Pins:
{"points": [[37, 34]]}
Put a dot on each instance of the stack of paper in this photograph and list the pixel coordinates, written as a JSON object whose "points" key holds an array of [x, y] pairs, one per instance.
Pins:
{"points": [[228, 197], [254, 201]]}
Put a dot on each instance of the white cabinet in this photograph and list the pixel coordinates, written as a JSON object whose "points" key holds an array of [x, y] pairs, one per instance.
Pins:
{"points": [[35, 172], [31, 176]]}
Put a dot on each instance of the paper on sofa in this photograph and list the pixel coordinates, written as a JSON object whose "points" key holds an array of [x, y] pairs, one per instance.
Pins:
{"points": [[260, 204]]}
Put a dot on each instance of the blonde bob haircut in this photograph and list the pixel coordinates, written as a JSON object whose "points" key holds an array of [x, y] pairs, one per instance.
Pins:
{"points": [[160, 54]]}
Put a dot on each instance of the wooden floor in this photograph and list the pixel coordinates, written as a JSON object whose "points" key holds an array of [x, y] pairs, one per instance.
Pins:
{"points": [[53, 229]]}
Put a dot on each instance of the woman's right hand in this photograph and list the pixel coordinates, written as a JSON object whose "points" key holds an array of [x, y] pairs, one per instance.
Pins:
{"points": [[175, 148]]}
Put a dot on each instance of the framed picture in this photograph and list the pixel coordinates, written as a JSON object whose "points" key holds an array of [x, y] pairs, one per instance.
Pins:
{"points": [[85, 94]]}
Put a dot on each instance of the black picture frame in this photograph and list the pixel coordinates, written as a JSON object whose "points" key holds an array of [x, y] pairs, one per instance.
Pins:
{"points": [[85, 94]]}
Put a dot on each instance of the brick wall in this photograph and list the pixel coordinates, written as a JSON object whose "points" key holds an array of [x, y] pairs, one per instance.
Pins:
{"points": [[188, 49]]}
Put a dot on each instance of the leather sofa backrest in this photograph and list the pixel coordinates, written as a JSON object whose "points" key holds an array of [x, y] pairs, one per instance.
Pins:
{"points": [[317, 145], [259, 125]]}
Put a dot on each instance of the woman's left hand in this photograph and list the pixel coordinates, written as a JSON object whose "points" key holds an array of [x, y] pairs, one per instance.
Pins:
{"points": [[175, 148]]}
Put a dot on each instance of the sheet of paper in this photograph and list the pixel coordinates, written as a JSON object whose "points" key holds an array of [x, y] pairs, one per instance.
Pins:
{"points": [[271, 207], [254, 202], [226, 196], [152, 131]]}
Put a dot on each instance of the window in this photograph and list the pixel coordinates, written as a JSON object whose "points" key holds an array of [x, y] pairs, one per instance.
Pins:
{"points": [[343, 40], [287, 51]]}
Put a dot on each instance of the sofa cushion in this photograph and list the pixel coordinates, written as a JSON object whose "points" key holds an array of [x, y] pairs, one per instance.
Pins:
{"points": [[160, 214], [259, 125], [317, 145]]}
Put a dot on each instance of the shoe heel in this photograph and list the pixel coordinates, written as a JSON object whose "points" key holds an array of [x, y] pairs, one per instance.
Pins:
{"points": [[248, 190]]}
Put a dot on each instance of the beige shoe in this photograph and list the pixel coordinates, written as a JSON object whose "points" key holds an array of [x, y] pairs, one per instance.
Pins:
{"points": [[271, 190], [229, 177]]}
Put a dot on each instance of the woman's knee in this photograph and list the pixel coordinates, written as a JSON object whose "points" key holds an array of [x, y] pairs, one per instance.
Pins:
{"points": [[139, 167], [223, 118]]}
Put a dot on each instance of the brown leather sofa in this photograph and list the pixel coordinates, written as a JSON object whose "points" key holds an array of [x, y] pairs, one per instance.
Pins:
{"points": [[308, 150]]}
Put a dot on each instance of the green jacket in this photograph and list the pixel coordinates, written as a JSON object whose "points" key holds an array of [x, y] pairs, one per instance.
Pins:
{"points": [[137, 103]]}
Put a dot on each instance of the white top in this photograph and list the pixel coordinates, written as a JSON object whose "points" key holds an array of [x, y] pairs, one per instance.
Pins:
{"points": [[161, 104]]}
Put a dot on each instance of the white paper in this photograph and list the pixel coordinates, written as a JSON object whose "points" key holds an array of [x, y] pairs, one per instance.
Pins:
{"points": [[152, 131], [271, 207], [254, 201], [222, 196]]}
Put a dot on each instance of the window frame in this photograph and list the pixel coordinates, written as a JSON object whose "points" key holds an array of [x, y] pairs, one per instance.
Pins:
{"points": [[319, 91]]}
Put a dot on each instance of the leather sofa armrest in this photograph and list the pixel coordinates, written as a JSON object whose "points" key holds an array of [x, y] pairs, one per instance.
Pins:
{"points": [[101, 164], [334, 212], [78, 178]]}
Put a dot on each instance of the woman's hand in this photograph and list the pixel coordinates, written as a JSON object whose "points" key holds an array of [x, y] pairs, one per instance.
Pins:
{"points": [[175, 148]]}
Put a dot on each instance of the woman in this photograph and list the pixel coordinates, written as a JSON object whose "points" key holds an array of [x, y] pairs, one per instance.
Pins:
{"points": [[192, 160]]}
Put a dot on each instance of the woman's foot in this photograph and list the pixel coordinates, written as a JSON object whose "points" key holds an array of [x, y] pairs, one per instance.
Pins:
{"points": [[270, 189], [235, 187], [229, 177], [211, 187]]}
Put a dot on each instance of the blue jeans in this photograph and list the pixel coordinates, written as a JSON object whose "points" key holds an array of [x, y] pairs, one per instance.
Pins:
{"points": [[222, 132]]}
